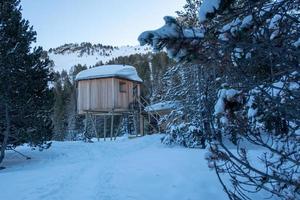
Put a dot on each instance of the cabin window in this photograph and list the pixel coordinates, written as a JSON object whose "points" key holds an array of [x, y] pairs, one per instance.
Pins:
{"points": [[122, 87]]}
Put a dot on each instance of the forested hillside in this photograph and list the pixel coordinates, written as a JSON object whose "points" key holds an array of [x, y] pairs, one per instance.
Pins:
{"points": [[66, 56]]}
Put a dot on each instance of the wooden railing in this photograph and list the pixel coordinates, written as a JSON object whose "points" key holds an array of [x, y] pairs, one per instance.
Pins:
{"points": [[150, 114]]}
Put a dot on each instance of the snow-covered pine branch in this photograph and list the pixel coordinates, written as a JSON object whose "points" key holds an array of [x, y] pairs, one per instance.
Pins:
{"points": [[253, 47], [172, 37]]}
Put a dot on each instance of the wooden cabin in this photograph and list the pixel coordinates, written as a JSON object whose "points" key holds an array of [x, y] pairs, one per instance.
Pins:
{"points": [[113, 92], [108, 88]]}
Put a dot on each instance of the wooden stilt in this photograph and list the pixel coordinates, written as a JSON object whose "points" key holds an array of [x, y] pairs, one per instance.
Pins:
{"points": [[142, 125], [149, 122], [135, 124], [97, 132], [104, 129], [119, 126], [112, 126], [85, 125], [94, 120]]}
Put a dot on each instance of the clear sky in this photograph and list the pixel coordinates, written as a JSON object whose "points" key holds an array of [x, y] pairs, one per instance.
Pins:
{"points": [[110, 22]]}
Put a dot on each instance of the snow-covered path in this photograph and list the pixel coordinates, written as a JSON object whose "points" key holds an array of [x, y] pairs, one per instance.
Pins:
{"points": [[137, 169]]}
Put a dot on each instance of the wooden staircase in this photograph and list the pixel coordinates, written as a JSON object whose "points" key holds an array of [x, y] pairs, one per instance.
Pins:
{"points": [[143, 122]]}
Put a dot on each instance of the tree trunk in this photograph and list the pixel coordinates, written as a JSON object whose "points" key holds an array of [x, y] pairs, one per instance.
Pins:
{"points": [[6, 133]]}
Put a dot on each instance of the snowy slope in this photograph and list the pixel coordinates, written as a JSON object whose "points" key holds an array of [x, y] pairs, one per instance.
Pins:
{"points": [[65, 59], [136, 169]]}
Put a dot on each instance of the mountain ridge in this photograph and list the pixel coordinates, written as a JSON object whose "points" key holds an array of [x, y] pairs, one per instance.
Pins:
{"points": [[68, 55]]}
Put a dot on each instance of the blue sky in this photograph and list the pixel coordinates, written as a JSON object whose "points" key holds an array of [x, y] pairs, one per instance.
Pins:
{"points": [[113, 22]]}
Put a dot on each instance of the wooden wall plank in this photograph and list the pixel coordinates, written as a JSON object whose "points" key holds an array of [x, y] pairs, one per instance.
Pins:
{"points": [[104, 94]]}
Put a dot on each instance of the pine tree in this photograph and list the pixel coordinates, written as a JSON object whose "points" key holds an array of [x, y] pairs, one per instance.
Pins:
{"points": [[67, 123], [25, 98], [249, 53], [58, 109], [75, 121], [188, 16]]}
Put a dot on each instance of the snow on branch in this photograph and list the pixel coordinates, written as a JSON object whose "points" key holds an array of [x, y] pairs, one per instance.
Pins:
{"points": [[169, 30], [208, 7], [169, 34]]}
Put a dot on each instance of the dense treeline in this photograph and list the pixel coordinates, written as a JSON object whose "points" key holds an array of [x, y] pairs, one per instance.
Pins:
{"points": [[67, 124]]}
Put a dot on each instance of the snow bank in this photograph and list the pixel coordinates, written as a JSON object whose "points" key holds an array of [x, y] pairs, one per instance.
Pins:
{"points": [[106, 71]]}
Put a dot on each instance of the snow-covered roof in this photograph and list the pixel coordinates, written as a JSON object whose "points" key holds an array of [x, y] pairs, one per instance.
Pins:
{"points": [[165, 105], [107, 71]]}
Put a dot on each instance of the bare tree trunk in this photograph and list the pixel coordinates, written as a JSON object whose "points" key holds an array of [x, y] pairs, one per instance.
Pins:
{"points": [[6, 133]]}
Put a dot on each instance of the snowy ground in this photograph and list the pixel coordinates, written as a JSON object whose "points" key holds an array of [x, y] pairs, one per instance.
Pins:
{"points": [[127, 169]]}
